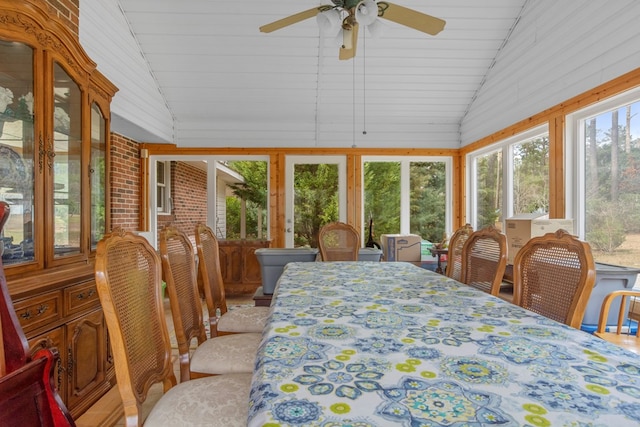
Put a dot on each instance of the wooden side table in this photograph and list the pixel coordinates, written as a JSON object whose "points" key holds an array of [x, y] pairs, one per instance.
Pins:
{"points": [[260, 299], [438, 252]]}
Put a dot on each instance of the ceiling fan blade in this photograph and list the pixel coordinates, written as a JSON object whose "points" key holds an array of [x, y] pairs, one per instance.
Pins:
{"points": [[293, 19], [349, 42], [411, 18]]}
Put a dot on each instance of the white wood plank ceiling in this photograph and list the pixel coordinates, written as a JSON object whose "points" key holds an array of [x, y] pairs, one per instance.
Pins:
{"points": [[227, 84]]}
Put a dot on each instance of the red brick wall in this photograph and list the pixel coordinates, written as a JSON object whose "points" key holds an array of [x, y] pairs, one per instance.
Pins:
{"points": [[125, 183], [189, 194], [68, 11]]}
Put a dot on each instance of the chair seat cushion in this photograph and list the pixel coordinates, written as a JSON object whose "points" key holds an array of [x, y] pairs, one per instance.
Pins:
{"points": [[226, 354], [212, 401], [244, 319]]}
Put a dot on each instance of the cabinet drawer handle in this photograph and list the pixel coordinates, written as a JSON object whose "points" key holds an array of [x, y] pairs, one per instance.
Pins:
{"points": [[89, 294], [39, 312]]}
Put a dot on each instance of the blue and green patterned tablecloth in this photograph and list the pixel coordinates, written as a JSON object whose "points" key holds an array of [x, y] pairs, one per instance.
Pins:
{"points": [[380, 344]]}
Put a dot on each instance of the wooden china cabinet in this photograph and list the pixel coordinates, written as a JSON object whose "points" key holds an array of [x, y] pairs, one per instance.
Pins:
{"points": [[54, 163]]}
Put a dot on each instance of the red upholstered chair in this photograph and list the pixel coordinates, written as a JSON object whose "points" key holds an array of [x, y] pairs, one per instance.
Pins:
{"points": [[27, 392]]}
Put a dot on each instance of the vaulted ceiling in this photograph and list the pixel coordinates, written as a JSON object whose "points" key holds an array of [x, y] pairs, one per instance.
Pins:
{"points": [[227, 84]]}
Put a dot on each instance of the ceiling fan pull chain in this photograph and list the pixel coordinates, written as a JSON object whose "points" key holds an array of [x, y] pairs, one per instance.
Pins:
{"points": [[364, 83]]}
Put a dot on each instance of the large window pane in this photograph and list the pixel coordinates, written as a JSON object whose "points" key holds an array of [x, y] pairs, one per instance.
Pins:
{"points": [[612, 184], [316, 198], [531, 176], [489, 175], [382, 196], [427, 183], [17, 151], [406, 195], [246, 205], [65, 158]]}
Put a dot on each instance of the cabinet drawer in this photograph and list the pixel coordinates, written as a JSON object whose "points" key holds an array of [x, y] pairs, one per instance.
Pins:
{"points": [[39, 310], [80, 297]]}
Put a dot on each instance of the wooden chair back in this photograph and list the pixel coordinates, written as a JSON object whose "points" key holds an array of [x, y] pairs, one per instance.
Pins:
{"points": [[454, 257], [211, 274], [622, 333], [484, 259], [338, 241], [28, 396], [179, 268], [129, 282], [553, 275]]}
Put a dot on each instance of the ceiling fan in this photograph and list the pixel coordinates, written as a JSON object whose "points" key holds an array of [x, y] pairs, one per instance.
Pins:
{"points": [[347, 15]]}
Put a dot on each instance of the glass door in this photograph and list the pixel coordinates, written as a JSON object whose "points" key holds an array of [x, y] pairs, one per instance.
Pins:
{"points": [[315, 195]]}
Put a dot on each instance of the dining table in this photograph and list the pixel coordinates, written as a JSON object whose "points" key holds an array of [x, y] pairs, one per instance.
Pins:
{"points": [[389, 343]]}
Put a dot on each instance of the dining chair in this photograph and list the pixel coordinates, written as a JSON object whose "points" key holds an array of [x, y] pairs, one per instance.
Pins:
{"points": [[219, 355], [338, 241], [553, 275], [484, 259], [623, 334], [222, 321], [129, 277], [454, 257]]}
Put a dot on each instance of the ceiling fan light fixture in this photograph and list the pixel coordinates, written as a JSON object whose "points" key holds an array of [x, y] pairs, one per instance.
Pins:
{"points": [[329, 22], [366, 12], [377, 29]]}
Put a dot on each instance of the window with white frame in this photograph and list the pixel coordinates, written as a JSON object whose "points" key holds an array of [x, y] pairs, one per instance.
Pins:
{"points": [[509, 178], [407, 195], [163, 192], [603, 146]]}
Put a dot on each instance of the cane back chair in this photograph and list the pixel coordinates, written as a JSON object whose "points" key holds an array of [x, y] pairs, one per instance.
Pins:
{"points": [[338, 241], [484, 259], [215, 356], [221, 320], [454, 257], [128, 278], [553, 275]]}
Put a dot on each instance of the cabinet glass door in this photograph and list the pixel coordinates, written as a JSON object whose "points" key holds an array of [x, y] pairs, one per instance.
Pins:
{"points": [[64, 157], [17, 151], [98, 175]]}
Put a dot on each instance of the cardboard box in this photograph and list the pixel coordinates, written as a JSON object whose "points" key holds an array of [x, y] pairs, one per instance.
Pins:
{"points": [[521, 228], [401, 247]]}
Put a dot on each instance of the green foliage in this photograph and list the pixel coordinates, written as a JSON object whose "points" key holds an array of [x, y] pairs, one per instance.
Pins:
{"points": [[382, 196], [254, 192], [427, 198], [604, 224], [489, 189], [315, 201], [531, 176]]}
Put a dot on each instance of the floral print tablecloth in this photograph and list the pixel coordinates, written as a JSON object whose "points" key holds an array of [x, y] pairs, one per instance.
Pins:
{"points": [[379, 344]]}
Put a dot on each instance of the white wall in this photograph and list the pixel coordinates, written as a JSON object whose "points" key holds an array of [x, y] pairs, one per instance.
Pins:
{"points": [[138, 110], [555, 53]]}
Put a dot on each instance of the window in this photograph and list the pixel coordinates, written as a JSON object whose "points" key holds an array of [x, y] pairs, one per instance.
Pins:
{"points": [[408, 196], [509, 178], [604, 145], [163, 192]]}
